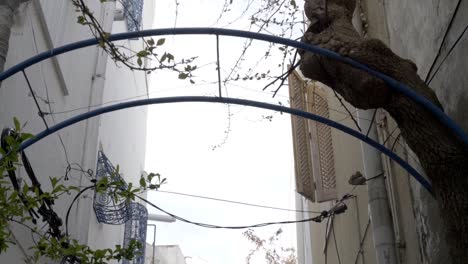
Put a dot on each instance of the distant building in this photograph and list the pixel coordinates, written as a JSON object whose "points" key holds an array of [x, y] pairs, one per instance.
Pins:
{"points": [[65, 86], [169, 254]]}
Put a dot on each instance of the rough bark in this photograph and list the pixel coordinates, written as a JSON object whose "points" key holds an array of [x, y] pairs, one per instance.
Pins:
{"points": [[7, 11], [442, 154]]}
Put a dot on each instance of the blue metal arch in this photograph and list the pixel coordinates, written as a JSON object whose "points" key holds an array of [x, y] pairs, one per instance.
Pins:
{"points": [[392, 83], [226, 100]]}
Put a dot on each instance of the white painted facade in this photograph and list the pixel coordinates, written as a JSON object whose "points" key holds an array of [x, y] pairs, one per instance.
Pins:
{"points": [[74, 83], [167, 254]]}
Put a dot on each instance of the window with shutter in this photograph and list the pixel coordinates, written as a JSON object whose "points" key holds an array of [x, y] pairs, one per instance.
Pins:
{"points": [[323, 161], [301, 142], [313, 147]]}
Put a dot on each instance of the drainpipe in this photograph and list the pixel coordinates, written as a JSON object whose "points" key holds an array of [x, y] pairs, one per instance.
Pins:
{"points": [[379, 210]]}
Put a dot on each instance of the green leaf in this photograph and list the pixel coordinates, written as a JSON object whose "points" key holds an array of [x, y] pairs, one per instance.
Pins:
{"points": [[142, 182], [150, 42], [53, 182], [139, 61], [25, 136], [293, 3], [183, 75], [163, 58], [17, 124], [142, 53], [170, 57], [160, 41]]}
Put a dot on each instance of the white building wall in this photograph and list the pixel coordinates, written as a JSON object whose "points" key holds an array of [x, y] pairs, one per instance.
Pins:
{"points": [[122, 134], [87, 83], [170, 254]]}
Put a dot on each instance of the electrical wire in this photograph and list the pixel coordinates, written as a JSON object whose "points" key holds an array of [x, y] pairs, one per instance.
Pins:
{"points": [[41, 113], [71, 205], [448, 54], [241, 203], [428, 81], [318, 219], [336, 245], [372, 122], [360, 251], [33, 94], [313, 219]]}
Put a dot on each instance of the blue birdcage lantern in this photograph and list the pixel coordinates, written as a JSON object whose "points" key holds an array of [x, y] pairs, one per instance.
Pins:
{"points": [[135, 229], [133, 12], [108, 208]]}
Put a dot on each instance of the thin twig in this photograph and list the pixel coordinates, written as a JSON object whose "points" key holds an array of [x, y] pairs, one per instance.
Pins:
{"points": [[219, 66], [347, 110], [372, 122], [283, 77], [395, 142]]}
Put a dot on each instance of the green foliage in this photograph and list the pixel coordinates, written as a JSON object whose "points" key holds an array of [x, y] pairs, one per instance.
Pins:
{"points": [[133, 59], [54, 249], [15, 206]]}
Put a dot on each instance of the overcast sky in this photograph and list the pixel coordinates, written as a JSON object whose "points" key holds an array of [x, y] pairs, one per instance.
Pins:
{"points": [[253, 164]]}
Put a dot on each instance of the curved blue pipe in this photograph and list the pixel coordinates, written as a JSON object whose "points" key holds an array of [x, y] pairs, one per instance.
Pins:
{"points": [[392, 83], [236, 101]]}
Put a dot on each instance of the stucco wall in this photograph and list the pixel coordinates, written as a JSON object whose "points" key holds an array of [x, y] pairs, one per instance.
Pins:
{"points": [[88, 83], [415, 30], [315, 244]]}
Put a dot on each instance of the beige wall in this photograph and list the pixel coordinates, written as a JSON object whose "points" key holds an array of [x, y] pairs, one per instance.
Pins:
{"points": [[350, 226]]}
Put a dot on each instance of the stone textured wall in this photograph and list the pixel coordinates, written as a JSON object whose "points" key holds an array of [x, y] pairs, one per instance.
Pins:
{"points": [[415, 30]]}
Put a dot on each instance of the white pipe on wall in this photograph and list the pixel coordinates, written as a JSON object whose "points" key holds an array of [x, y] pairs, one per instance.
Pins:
{"points": [[379, 210]]}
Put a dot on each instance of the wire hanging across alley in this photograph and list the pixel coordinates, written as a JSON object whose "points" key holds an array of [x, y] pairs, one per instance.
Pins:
{"points": [[336, 209], [240, 203]]}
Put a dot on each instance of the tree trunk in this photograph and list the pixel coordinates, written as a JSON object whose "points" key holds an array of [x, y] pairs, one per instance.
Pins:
{"points": [[442, 154], [7, 11]]}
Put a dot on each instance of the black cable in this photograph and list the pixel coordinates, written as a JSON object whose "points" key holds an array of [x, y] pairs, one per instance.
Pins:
{"points": [[71, 205], [88, 173], [42, 114], [314, 219], [362, 241], [242, 203], [390, 135], [336, 245], [442, 44], [33, 94], [448, 54], [372, 122]]}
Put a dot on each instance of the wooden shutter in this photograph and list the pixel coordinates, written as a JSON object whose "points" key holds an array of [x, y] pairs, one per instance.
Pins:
{"points": [[323, 161], [313, 146], [301, 142]]}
